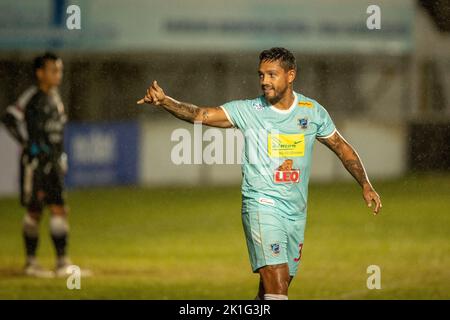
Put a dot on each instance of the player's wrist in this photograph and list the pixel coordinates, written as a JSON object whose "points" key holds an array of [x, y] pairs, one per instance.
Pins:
{"points": [[167, 101], [366, 186]]}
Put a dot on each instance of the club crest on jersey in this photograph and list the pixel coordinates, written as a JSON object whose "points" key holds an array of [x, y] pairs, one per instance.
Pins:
{"points": [[303, 123], [286, 174], [258, 106], [275, 248]]}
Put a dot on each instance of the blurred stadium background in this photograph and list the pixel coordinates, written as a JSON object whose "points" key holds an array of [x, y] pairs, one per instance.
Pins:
{"points": [[151, 229]]}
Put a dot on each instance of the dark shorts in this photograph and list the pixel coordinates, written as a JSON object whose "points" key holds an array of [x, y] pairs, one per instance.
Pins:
{"points": [[40, 183]]}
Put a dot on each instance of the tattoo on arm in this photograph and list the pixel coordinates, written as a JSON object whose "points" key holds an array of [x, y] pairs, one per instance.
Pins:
{"points": [[181, 110], [205, 115], [188, 112], [348, 156]]}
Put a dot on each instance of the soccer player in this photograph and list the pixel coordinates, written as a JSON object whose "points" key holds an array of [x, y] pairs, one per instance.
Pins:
{"points": [[280, 128], [36, 121]]}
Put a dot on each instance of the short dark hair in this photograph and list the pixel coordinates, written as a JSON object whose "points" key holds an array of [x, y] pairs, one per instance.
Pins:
{"points": [[286, 58], [39, 61]]}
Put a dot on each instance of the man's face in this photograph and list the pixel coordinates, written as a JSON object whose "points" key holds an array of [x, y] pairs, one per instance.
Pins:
{"points": [[274, 80], [51, 74]]}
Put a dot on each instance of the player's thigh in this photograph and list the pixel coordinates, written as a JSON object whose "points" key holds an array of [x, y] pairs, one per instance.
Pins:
{"points": [[275, 273], [32, 194], [266, 238], [54, 189], [295, 236]]}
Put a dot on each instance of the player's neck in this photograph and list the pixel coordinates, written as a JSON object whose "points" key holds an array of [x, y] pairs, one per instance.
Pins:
{"points": [[45, 88], [286, 101]]}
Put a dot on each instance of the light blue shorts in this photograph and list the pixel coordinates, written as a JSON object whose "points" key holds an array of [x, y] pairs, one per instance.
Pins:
{"points": [[273, 239]]}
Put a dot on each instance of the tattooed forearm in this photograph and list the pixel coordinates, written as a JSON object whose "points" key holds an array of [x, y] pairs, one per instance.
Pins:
{"points": [[187, 112], [205, 115], [349, 158], [356, 169], [181, 110]]}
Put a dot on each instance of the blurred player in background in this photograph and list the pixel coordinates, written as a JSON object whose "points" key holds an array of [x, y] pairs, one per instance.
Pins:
{"points": [[283, 126], [36, 121]]}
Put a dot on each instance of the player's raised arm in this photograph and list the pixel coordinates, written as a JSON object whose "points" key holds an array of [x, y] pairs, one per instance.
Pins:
{"points": [[211, 116], [353, 164]]}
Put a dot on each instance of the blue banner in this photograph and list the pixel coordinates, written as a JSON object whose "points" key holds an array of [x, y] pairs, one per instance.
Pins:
{"points": [[102, 154]]}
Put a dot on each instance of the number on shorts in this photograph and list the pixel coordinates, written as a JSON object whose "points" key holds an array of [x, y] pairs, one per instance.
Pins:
{"points": [[300, 247]]}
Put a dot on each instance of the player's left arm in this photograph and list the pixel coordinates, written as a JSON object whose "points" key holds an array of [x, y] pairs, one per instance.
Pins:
{"points": [[353, 164], [11, 119]]}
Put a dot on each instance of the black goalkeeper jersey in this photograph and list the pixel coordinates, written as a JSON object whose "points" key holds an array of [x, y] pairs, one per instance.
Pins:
{"points": [[37, 121]]}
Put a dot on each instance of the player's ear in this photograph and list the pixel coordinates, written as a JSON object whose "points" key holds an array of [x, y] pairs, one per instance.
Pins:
{"points": [[291, 75], [39, 73]]}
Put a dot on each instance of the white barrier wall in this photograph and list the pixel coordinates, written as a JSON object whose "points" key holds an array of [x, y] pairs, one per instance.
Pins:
{"points": [[157, 168], [9, 164], [381, 146]]}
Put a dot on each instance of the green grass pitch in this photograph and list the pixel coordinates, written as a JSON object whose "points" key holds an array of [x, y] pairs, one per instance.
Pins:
{"points": [[188, 243]]}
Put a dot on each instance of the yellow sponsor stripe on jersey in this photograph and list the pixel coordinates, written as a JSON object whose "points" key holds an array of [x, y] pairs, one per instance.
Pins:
{"points": [[305, 104], [286, 145]]}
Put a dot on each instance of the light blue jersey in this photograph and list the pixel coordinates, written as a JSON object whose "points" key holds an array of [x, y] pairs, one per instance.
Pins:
{"points": [[278, 149]]}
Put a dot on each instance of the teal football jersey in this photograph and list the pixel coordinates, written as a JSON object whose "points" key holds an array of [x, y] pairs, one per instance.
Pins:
{"points": [[277, 153]]}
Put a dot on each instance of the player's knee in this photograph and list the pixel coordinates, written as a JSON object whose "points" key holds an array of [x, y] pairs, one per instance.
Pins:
{"points": [[31, 224], [58, 210], [275, 278], [280, 286], [35, 208], [59, 225]]}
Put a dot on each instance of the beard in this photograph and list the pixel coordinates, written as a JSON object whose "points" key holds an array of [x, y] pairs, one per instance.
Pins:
{"points": [[278, 95]]}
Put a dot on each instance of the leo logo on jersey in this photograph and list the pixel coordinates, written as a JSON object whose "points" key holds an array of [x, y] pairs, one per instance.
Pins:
{"points": [[286, 174]]}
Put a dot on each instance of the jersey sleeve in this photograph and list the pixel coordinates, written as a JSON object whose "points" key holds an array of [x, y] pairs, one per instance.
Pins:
{"points": [[236, 113], [12, 119], [326, 126]]}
